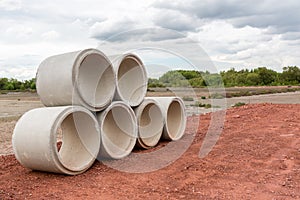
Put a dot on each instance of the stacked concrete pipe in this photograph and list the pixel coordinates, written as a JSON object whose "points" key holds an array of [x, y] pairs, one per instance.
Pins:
{"points": [[83, 78], [131, 79], [35, 144], [150, 123], [174, 115], [72, 86], [99, 105], [118, 127]]}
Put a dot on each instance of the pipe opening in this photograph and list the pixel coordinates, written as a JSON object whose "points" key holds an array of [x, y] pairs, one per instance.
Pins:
{"points": [[175, 120], [79, 145], [132, 81], [119, 132], [96, 82], [150, 125]]}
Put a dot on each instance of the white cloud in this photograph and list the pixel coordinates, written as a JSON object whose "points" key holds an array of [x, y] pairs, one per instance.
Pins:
{"points": [[172, 19], [50, 35], [20, 73], [110, 28], [10, 5], [19, 31], [234, 33]]}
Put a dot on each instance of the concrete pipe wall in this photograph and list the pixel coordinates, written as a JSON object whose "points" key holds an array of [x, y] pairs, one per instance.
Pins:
{"points": [[174, 113], [82, 78], [131, 79], [118, 127], [35, 139], [150, 123]]}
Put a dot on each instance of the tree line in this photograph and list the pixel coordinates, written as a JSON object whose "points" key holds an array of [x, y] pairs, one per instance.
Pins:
{"points": [[261, 76], [14, 84]]}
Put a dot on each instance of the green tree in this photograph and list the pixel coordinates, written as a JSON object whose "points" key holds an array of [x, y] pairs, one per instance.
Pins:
{"points": [[16, 84], [182, 78], [266, 76], [290, 75], [197, 82], [229, 77], [190, 74], [172, 79], [252, 79], [33, 86], [3, 83], [153, 82], [9, 86]]}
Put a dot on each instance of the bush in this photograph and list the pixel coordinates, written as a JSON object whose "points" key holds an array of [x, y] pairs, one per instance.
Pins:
{"points": [[207, 106], [14, 84], [238, 104], [203, 105], [217, 96], [186, 98]]}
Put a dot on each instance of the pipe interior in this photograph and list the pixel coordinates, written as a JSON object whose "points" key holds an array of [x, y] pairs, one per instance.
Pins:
{"points": [[80, 141], [175, 119], [131, 81], [96, 81], [118, 131], [150, 125]]}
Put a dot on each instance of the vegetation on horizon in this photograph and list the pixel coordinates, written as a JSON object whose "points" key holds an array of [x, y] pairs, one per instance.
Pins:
{"points": [[14, 84], [256, 77], [190, 78]]}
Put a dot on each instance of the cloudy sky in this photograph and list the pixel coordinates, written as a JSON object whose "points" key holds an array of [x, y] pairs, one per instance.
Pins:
{"points": [[165, 33]]}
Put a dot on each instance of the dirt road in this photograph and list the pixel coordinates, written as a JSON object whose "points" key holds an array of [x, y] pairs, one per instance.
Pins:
{"points": [[256, 157]]}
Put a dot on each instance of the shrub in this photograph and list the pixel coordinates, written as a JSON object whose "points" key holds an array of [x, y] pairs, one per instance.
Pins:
{"points": [[217, 96], [207, 106], [202, 105], [186, 98], [238, 104]]}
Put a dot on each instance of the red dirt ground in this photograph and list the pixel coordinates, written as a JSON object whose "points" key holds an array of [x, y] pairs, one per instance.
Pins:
{"points": [[256, 157]]}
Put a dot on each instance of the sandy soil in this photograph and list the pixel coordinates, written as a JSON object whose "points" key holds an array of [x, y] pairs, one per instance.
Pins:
{"points": [[16, 104], [6, 128], [256, 157]]}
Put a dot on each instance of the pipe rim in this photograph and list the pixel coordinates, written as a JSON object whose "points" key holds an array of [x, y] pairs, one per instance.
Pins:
{"points": [[58, 122], [50, 153], [104, 139], [76, 75], [52, 140], [142, 86], [139, 113], [169, 125]]}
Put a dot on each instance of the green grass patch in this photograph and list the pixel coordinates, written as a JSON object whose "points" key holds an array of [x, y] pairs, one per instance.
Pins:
{"points": [[186, 98], [204, 105], [238, 104], [217, 96]]}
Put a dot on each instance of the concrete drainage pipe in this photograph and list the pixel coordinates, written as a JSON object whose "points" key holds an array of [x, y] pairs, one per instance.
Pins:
{"points": [[35, 139], [118, 127], [82, 78], [131, 79], [150, 123], [174, 116]]}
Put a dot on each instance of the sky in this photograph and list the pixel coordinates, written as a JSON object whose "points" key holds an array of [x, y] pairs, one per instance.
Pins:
{"points": [[211, 35]]}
